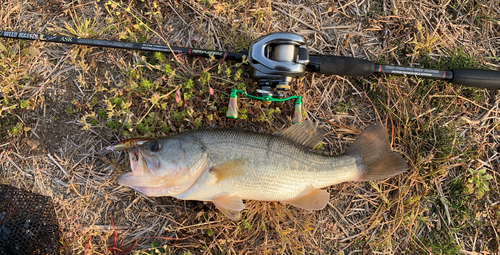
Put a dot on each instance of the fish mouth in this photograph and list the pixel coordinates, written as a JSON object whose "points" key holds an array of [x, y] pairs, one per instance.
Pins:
{"points": [[143, 168], [137, 162]]}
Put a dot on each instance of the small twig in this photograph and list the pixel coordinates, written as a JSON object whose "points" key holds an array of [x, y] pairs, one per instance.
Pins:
{"points": [[57, 164], [17, 167], [443, 199]]}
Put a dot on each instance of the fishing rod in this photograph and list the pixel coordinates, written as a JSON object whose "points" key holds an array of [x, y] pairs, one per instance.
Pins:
{"points": [[279, 57]]}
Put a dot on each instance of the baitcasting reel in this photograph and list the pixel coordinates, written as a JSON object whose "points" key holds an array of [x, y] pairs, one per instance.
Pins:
{"points": [[276, 59]]}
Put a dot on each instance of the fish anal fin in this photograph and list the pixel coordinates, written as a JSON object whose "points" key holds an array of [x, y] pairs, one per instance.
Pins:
{"points": [[314, 200], [230, 206], [306, 133], [229, 169]]}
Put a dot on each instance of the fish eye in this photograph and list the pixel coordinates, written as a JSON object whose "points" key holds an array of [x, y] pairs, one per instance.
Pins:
{"points": [[154, 146]]}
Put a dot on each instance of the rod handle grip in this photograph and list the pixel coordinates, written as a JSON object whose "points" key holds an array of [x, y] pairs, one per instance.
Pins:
{"points": [[476, 78], [346, 66]]}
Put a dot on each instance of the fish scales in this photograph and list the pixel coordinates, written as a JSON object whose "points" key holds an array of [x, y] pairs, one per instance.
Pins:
{"points": [[227, 165], [277, 169]]}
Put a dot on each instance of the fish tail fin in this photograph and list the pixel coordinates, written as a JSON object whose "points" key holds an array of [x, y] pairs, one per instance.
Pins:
{"points": [[374, 157]]}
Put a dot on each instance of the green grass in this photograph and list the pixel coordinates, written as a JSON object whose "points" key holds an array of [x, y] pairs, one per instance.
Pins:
{"points": [[441, 243]]}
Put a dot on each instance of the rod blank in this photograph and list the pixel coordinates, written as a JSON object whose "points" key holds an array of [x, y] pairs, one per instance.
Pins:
{"points": [[124, 45]]}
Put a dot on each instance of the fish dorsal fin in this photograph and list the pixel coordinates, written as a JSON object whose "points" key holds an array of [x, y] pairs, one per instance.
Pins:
{"points": [[230, 206], [229, 169], [314, 200], [306, 133]]}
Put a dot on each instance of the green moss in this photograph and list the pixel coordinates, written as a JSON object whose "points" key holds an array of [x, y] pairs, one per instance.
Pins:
{"points": [[24, 104], [210, 232], [204, 78], [187, 85], [187, 95], [165, 128], [127, 126], [113, 124], [102, 113], [141, 127], [116, 101], [167, 70], [197, 123], [145, 85], [241, 86], [70, 110], [247, 225], [132, 73], [179, 116], [441, 242], [17, 130], [159, 57]]}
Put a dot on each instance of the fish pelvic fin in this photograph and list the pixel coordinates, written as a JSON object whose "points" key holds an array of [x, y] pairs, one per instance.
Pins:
{"points": [[230, 206], [374, 157], [314, 200], [306, 133]]}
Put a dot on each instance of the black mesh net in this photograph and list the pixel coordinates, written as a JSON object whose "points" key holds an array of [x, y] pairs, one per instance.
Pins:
{"points": [[28, 223]]}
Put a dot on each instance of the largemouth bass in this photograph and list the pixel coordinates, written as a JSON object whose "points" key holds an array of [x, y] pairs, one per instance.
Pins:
{"points": [[226, 166]]}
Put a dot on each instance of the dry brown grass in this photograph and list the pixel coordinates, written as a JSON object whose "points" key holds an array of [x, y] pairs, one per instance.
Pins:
{"points": [[444, 131]]}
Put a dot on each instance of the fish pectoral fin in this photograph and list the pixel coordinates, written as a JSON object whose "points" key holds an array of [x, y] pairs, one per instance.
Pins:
{"points": [[306, 133], [230, 206], [230, 169], [314, 200]]}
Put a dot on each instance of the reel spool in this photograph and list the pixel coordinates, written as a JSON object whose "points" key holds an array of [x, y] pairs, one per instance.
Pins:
{"points": [[276, 59]]}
